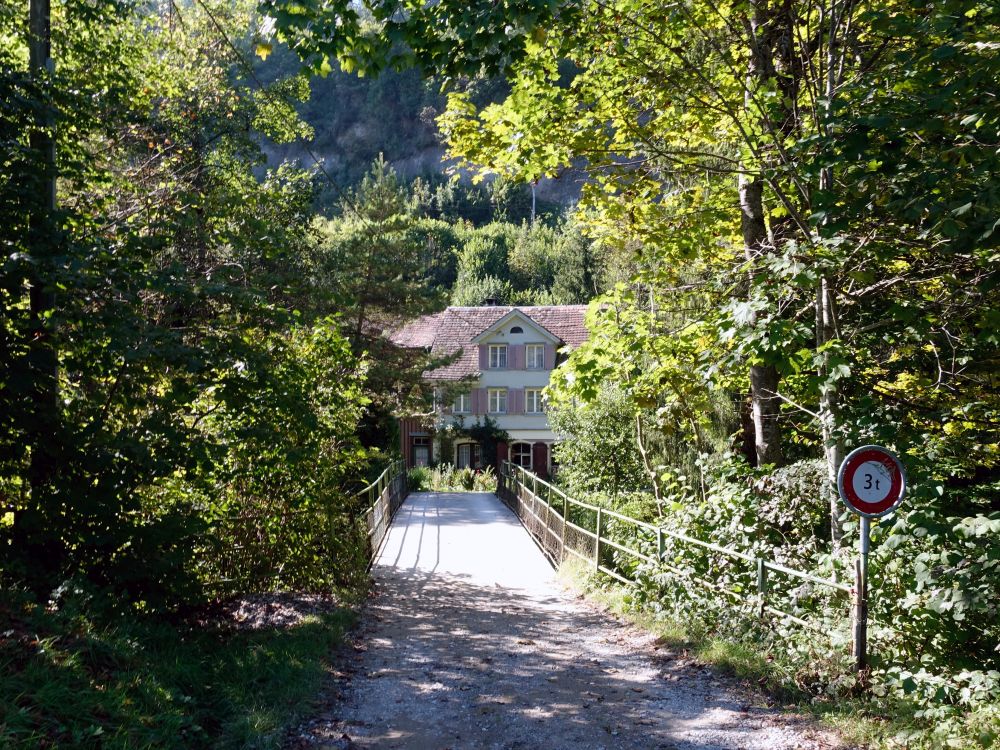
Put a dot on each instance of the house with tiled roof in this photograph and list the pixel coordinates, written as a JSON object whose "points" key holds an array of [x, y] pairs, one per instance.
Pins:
{"points": [[497, 360]]}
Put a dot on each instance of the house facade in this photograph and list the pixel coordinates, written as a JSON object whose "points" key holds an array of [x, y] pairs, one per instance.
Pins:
{"points": [[500, 360]]}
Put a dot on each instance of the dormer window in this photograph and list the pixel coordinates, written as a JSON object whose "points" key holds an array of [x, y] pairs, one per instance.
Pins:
{"points": [[498, 356], [517, 329]]}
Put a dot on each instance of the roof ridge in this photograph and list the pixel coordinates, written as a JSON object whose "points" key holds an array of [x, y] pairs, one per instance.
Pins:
{"points": [[450, 331], [524, 314], [514, 307]]}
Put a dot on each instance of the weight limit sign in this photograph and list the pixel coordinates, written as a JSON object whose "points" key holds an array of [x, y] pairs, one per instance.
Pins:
{"points": [[871, 481]]}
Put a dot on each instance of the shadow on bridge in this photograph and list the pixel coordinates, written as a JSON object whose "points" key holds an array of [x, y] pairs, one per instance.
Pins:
{"points": [[454, 663]]}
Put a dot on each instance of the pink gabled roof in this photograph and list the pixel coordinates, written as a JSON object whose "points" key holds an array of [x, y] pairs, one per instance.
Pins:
{"points": [[453, 330]]}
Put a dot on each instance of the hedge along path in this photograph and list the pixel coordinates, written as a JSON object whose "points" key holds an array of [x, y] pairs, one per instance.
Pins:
{"points": [[470, 642]]}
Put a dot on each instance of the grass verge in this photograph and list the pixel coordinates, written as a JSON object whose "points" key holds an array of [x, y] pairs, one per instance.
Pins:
{"points": [[68, 682], [861, 722]]}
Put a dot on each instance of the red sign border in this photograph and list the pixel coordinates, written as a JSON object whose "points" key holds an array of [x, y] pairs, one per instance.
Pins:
{"points": [[845, 483]]}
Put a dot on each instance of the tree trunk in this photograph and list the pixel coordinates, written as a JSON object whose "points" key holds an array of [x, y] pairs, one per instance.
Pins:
{"points": [[764, 378], [43, 432], [767, 439], [829, 404], [748, 440], [640, 439], [826, 316]]}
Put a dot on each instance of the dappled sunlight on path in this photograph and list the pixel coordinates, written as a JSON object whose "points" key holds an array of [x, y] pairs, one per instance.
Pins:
{"points": [[471, 643]]}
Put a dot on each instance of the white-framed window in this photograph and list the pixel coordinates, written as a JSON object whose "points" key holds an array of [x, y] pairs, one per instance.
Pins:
{"points": [[498, 400], [498, 356], [534, 356], [533, 403], [468, 455], [463, 403], [520, 454], [421, 450]]}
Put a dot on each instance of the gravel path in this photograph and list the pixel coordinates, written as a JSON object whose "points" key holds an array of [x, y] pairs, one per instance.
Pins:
{"points": [[470, 642]]}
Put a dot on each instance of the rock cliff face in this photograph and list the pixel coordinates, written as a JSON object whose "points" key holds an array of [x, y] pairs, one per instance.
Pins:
{"points": [[356, 119], [417, 161]]}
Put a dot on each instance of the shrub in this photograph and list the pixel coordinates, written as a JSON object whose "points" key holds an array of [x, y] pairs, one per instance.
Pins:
{"points": [[447, 478], [934, 607], [485, 480], [419, 479]]}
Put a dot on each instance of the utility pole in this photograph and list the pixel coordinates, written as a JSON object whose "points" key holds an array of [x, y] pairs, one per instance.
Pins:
{"points": [[43, 244]]}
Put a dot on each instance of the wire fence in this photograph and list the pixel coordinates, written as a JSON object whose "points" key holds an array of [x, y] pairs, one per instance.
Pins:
{"points": [[628, 549]]}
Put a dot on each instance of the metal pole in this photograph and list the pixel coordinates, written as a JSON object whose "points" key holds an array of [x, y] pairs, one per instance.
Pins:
{"points": [[861, 597], [565, 517], [762, 584], [597, 542]]}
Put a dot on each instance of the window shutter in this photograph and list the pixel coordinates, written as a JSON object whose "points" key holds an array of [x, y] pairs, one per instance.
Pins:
{"points": [[517, 354], [550, 357], [540, 460], [516, 398], [484, 357], [478, 401]]}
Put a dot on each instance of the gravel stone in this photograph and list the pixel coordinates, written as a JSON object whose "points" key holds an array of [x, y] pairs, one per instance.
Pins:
{"points": [[473, 643]]}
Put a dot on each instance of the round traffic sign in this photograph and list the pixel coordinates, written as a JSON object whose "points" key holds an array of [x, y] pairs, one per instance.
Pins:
{"points": [[871, 481]]}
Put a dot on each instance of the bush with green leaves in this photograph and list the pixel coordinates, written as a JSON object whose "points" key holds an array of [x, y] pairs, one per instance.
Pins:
{"points": [[448, 478], [281, 516], [934, 602], [172, 397], [418, 479], [597, 452]]}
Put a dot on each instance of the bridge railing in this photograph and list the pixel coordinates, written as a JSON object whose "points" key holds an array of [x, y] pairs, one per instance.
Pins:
{"points": [[382, 499], [626, 548]]}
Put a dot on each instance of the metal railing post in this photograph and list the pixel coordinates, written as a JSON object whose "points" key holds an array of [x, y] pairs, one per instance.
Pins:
{"points": [[762, 584], [565, 519], [597, 546]]}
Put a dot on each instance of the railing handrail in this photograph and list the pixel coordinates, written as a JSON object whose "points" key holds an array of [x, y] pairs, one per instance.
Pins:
{"points": [[777, 567], [392, 465], [386, 493], [531, 483]]}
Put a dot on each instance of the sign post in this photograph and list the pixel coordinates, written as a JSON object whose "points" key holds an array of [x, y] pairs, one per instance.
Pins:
{"points": [[872, 483]]}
